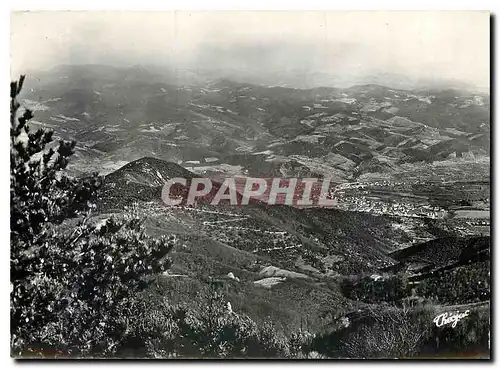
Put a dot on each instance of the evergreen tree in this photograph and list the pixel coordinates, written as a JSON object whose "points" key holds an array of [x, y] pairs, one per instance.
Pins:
{"points": [[72, 285]]}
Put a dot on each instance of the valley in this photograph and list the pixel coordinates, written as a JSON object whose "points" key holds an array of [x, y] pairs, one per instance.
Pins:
{"points": [[410, 171]]}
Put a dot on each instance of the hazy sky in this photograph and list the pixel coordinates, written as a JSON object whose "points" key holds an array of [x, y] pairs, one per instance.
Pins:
{"points": [[418, 44]]}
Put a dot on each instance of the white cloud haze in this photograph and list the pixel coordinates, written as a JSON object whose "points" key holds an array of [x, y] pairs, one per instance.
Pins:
{"points": [[448, 44]]}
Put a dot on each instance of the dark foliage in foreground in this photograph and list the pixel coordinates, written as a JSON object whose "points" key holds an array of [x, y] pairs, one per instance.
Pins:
{"points": [[69, 287], [210, 330], [399, 332]]}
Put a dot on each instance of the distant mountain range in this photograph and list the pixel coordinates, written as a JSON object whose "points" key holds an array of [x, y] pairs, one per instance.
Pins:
{"points": [[122, 114], [292, 78]]}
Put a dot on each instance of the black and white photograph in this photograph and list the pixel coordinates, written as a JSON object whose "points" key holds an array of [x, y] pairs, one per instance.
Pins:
{"points": [[308, 185]]}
